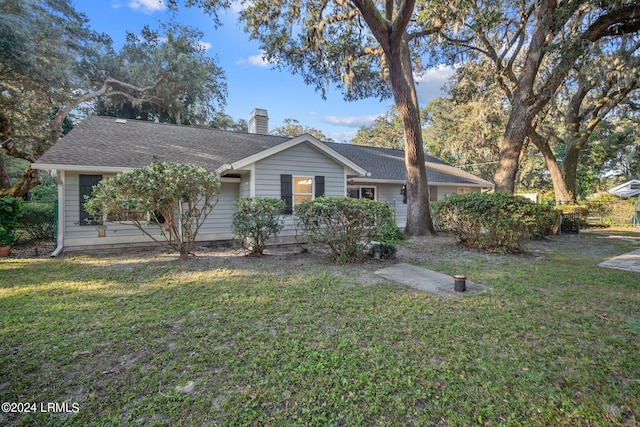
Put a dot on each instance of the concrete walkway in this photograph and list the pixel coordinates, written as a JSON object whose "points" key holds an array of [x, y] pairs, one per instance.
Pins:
{"points": [[629, 261], [425, 280]]}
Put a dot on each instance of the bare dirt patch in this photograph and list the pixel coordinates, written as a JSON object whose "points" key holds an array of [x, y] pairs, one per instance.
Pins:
{"points": [[296, 259]]}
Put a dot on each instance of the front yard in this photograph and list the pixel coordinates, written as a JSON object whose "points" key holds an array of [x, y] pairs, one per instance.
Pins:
{"points": [[145, 339]]}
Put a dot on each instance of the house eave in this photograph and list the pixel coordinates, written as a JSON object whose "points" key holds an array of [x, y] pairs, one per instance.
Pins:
{"points": [[78, 168]]}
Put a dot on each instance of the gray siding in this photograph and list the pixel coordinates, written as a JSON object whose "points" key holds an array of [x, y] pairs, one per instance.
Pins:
{"points": [[300, 160], [73, 228], [390, 194], [218, 224], [76, 236]]}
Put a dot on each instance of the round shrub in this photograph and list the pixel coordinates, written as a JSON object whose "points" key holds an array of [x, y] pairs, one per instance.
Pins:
{"points": [[256, 220], [348, 225], [497, 222]]}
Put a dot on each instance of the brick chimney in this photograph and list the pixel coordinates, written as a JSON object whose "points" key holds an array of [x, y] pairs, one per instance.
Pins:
{"points": [[259, 121]]}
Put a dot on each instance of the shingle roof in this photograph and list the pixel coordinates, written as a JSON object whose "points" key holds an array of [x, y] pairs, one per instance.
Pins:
{"points": [[101, 142], [387, 164]]}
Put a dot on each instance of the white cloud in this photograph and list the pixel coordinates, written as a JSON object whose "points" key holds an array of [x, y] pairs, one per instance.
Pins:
{"points": [[236, 6], [258, 60], [352, 121], [204, 45], [343, 137], [147, 6], [429, 84]]}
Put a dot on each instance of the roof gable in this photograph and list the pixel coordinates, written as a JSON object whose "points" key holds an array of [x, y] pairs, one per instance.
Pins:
{"points": [[628, 189], [354, 169]]}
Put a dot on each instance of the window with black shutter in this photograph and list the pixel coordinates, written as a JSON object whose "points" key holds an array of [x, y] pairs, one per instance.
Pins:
{"points": [[297, 189], [319, 186], [87, 182], [286, 193]]}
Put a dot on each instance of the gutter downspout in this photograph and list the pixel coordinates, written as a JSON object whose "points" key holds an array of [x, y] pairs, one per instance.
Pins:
{"points": [[60, 243]]}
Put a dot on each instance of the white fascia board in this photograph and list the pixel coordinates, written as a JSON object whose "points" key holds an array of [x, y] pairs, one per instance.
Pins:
{"points": [[79, 168], [626, 184], [252, 181], [243, 163]]}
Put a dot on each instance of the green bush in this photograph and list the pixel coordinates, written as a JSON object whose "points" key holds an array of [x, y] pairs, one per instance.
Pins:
{"points": [[387, 250], [182, 195], [571, 209], [543, 220], [38, 220], [348, 225], [10, 213], [48, 190], [608, 210], [256, 221], [496, 222]]}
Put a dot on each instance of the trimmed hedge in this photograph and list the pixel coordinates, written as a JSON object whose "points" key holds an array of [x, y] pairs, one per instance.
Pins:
{"points": [[497, 222]]}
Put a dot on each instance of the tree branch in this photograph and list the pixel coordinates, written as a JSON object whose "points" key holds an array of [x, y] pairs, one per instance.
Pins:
{"points": [[316, 34], [138, 95]]}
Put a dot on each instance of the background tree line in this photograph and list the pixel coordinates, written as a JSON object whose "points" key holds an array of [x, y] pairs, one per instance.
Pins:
{"points": [[555, 80]]}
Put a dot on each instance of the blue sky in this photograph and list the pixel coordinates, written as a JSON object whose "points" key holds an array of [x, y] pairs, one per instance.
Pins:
{"points": [[253, 83]]}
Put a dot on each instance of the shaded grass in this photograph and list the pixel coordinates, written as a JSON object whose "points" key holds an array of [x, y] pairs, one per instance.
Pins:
{"points": [[555, 342]]}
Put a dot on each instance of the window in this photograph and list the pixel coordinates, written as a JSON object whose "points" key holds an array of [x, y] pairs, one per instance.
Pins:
{"points": [[464, 190], [302, 189], [87, 182], [294, 190], [362, 192]]}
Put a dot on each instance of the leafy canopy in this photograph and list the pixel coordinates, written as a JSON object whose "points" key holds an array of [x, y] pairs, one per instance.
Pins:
{"points": [[53, 65]]}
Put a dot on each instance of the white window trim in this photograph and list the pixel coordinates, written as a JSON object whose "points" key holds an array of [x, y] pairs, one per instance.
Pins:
{"points": [[360, 187], [293, 188]]}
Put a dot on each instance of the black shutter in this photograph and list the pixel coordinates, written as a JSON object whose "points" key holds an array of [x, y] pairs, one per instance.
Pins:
{"points": [[319, 186], [87, 182], [286, 193]]}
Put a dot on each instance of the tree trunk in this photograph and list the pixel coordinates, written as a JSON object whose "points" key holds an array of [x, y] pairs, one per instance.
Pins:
{"points": [[184, 252], [390, 30], [562, 193], [512, 143], [5, 179], [570, 167], [403, 86]]}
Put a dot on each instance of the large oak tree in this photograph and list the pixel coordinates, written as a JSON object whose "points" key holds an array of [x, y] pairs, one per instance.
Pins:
{"points": [[365, 48], [53, 63], [533, 46]]}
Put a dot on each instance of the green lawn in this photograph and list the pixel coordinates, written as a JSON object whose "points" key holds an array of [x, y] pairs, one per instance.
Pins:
{"points": [[555, 342]]}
